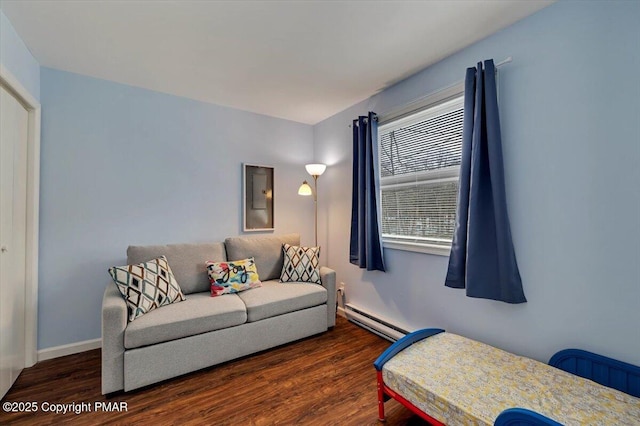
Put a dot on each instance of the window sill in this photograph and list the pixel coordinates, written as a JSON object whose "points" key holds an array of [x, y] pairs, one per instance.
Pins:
{"points": [[417, 248]]}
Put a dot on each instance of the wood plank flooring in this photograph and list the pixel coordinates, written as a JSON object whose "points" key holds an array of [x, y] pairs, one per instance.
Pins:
{"points": [[327, 379]]}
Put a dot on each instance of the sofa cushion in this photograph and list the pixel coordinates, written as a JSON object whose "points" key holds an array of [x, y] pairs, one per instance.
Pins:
{"points": [[301, 264], [232, 277], [275, 298], [198, 314], [267, 252], [146, 286], [186, 260]]}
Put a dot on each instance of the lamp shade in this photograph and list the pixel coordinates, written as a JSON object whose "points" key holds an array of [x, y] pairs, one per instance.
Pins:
{"points": [[305, 189], [315, 169]]}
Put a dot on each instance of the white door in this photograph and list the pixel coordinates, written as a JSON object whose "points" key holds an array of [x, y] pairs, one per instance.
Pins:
{"points": [[13, 202]]}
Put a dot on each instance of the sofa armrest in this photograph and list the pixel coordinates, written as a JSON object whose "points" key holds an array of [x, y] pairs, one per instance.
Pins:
{"points": [[328, 279], [114, 322]]}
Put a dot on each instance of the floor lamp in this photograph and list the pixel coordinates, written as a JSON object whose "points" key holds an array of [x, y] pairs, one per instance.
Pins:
{"points": [[315, 170]]}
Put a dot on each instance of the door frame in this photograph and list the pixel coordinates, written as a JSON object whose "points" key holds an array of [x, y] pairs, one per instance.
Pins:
{"points": [[33, 107]]}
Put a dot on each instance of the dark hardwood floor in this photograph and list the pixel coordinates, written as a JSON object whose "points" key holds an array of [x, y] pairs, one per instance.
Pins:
{"points": [[328, 379]]}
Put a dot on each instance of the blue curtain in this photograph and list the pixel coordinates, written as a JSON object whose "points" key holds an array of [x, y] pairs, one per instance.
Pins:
{"points": [[365, 248], [482, 258]]}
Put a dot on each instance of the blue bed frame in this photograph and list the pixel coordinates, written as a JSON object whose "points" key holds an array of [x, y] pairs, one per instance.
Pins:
{"points": [[606, 371]]}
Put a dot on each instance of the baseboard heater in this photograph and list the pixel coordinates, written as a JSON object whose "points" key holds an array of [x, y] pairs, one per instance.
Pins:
{"points": [[373, 323]]}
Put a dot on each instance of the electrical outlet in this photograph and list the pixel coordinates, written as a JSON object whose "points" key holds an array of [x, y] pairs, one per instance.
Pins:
{"points": [[340, 300]]}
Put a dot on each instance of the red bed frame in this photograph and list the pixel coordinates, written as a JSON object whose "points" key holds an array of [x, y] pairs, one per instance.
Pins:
{"points": [[606, 371], [384, 393]]}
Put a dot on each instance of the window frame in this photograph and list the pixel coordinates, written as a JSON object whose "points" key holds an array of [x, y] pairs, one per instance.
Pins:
{"points": [[397, 117]]}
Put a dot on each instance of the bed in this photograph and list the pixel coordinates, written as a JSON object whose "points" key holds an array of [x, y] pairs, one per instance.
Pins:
{"points": [[449, 379]]}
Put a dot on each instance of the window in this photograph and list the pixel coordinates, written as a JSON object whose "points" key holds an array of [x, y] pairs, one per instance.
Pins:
{"points": [[419, 166]]}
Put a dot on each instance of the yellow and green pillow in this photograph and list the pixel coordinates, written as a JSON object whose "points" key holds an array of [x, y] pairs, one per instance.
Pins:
{"points": [[232, 277]]}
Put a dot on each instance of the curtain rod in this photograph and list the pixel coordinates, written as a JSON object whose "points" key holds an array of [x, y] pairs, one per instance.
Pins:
{"points": [[505, 61]]}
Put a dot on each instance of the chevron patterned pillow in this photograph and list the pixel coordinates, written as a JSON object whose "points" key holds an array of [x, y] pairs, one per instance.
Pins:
{"points": [[146, 286], [301, 264]]}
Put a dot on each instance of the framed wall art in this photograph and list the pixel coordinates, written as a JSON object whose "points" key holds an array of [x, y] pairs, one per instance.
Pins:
{"points": [[258, 198]]}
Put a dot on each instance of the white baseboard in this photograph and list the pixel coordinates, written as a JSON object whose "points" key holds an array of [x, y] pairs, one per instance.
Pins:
{"points": [[340, 312], [70, 349]]}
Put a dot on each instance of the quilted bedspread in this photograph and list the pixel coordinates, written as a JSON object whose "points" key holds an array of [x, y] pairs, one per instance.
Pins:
{"points": [[463, 382]]}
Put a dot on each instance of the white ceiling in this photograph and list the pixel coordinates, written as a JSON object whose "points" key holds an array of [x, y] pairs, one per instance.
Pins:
{"points": [[298, 60]]}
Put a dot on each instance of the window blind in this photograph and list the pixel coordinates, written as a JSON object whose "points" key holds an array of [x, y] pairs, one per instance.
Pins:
{"points": [[419, 166]]}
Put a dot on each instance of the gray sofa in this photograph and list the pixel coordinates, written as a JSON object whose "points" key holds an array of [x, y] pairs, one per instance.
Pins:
{"points": [[202, 330]]}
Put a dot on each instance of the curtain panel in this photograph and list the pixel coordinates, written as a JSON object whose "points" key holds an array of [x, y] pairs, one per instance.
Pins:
{"points": [[365, 248], [482, 256]]}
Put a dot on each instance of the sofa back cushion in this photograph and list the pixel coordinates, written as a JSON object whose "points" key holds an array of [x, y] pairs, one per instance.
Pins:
{"points": [[187, 261], [267, 252]]}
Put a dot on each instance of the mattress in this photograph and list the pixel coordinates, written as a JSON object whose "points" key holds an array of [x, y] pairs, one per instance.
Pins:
{"points": [[459, 381]]}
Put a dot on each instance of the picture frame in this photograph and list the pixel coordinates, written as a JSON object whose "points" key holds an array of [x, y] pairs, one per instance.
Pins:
{"points": [[258, 197]]}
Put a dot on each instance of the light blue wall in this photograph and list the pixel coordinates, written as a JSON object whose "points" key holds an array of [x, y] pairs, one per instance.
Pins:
{"points": [[16, 57], [123, 165], [570, 109]]}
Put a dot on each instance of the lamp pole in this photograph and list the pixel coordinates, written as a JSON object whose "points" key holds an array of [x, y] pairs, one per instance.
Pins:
{"points": [[315, 204], [315, 170]]}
